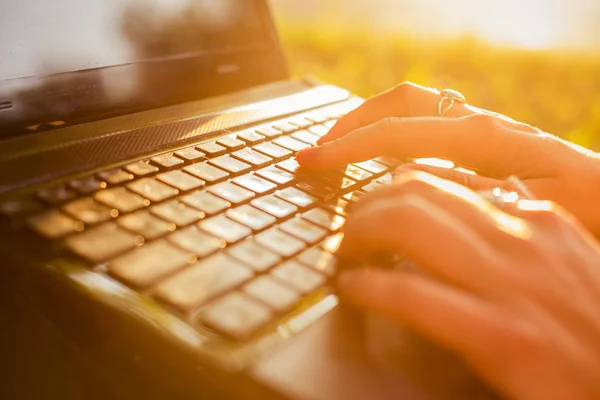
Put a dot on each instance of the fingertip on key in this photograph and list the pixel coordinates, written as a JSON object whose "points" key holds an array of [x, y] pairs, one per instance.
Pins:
{"points": [[308, 156]]}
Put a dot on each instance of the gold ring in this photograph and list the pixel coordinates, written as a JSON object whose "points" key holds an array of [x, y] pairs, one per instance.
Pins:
{"points": [[449, 97]]}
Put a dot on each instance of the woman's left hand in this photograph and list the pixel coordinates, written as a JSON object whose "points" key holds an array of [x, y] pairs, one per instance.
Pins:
{"points": [[515, 292]]}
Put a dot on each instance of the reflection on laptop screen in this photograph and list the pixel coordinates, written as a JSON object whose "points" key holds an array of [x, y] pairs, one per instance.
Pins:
{"points": [[69, 35], [128, 53]]}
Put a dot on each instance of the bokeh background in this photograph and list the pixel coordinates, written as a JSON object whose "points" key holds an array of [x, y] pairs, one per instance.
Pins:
{"points": [[537, 61]]}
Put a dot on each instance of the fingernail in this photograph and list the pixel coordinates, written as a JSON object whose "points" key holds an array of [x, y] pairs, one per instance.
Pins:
{"points": [[307, 154], [321, 140]]}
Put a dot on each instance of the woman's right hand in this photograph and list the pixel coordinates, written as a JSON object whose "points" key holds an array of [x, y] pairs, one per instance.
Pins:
{"points": [[400, 123], [514, 291]]}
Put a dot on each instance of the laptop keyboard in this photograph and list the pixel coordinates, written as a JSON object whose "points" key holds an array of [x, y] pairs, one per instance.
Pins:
{"points": [[231, 234]]}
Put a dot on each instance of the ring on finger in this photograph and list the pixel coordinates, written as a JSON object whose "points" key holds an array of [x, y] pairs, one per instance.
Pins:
{"points": [[449, 98]]}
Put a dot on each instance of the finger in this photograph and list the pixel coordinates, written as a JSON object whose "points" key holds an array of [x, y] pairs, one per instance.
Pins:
{"points": [[433, 238], [478, 142], [448, 194], [405, 100], [473, 182], [449, 316]]}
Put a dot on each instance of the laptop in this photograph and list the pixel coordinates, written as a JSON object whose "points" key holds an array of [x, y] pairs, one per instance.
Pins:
{"points": [[158, 239]]}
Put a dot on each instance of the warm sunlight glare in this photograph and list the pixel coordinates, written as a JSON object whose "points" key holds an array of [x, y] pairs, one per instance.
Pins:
{"points": [[522, 23]]}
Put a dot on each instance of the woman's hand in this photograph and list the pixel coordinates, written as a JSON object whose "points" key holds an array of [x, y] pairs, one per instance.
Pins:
{"points": [[493, 145], [516, 293]]}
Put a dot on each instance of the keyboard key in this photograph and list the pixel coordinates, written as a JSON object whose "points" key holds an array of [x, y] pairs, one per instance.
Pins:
{"points": [[195, 241], [340, 183], [115, 176], [177, 213], [230, 192], [280, 242], [152, 189], [102, 243], [121, 199], [190, 154], [206, 279], [338, 206], [290, 143], [371, 187], [87, 185], [254, 183], [89, 211], [300, 121], [276, 175], [236, 315], [389, 161], [19, 207], [275, 206], [332, 243], [386, 179], [284, 126], [207, 172], [319, 130], [357, 174], [372, 166], [269, 131], [206, 202], [297, 197], [290, 165], [251, 217], [354, 196], [251, 137], [56, 195], [330, 124], [54, 225], [145, 224], [225, 228], [166, 160], [231, 143], [317, 189], [303, 230], [212, 149], [299, 277], [319, 260], [180, 180], [271, 292], [324, 219], [141, 168], [306, 137], [259, 258], [146, 265], [252, 157], [272, 150], [230, 164], [316, 116]]}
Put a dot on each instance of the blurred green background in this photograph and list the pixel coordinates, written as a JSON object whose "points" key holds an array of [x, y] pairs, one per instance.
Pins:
{"points": [[554, 86]]}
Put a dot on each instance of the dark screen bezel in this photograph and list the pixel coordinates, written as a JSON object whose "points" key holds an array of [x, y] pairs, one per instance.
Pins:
{"points": [[258, 64]]}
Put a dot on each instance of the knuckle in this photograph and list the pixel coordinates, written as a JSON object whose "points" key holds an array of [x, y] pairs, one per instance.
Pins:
{"points": [[405, 93], [387, 124], [484, 122], [405, 88]]}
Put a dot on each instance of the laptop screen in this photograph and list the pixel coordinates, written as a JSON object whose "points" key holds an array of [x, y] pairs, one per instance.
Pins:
{"points": [[69, 61]]}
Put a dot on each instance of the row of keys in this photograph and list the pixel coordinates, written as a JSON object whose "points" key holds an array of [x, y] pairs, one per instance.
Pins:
{"points": [[108, 203], [281, 148], [323, 118]]}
